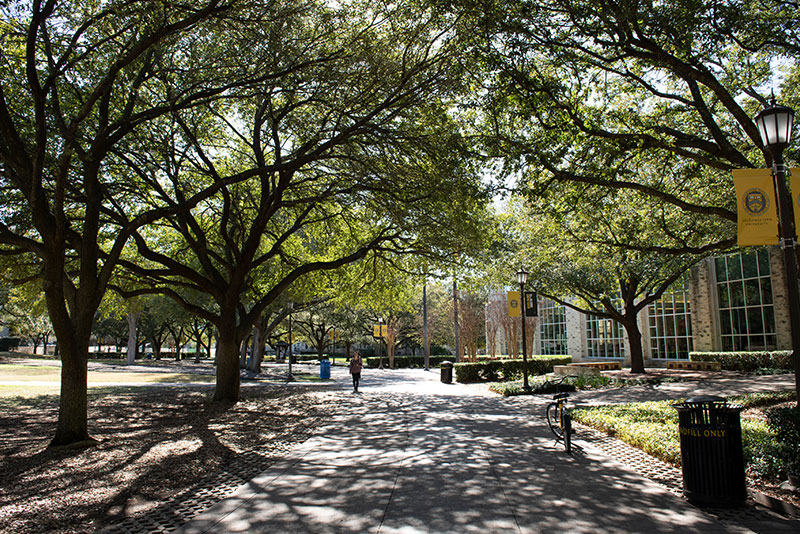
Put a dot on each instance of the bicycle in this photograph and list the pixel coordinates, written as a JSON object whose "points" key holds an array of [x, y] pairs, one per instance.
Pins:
{"points": [[559, 420]]}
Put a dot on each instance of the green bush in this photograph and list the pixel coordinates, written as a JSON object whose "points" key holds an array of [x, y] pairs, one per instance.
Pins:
{"points": [[503, 370], [406, 362], [107, 355], [747, 362], [571, 383], [538, 386], [785, 423], [653, 427]]}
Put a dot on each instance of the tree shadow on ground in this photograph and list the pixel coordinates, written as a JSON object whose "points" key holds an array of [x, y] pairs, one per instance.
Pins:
{"points": [[153, 444]]}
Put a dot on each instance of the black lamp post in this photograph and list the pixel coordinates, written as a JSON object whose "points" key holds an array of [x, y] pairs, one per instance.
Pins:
{"points": [[290, 377], [522, 277], [380, 341], [775, 127]]}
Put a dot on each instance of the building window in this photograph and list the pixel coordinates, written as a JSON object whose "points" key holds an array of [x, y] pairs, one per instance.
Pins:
{"points": [[552, 327], [744, 295], [670, 323], [605, 338]]}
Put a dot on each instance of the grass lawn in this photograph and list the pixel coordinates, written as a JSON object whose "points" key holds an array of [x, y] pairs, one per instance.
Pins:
{"points": [[36, 374]]}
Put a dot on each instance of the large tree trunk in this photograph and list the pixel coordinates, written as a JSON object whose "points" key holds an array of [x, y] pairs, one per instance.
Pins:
{"points": [[228, 380], [635, 342], [257, 355], [243, 353], [390, 354], [156, 342], [73, 342], [73, 405], [132, 317]]}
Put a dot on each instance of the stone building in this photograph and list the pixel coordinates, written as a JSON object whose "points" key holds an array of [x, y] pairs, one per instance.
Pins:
{"points": [[725, 303]]}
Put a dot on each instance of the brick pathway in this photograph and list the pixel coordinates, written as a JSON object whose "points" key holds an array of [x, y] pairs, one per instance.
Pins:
{"points": [[201, 496]]}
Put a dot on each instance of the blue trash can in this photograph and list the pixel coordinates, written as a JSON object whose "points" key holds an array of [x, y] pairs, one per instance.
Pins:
{"points": [[325, 369]]}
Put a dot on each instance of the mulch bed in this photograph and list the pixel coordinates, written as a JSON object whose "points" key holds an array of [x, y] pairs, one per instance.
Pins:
{"points": [[153, 444]]}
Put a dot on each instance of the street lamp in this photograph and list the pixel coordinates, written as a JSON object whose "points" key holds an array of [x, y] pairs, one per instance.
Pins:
{"points": [[522, 277], [380, 342], [290, 377], [775, 127]]}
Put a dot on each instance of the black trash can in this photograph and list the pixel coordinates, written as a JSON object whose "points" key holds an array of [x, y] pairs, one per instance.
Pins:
{"points": [[711, 452], [447, 372]]}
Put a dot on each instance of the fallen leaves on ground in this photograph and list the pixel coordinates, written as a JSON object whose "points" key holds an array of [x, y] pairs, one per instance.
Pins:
{"points": [[153, 443]]}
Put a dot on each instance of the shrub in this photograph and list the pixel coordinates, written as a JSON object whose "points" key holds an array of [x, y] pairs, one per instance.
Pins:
{"points": [[653, 427], [107, 355], [538, 387], [406, 362], [785, 423], [747, 362], [503, 370]]}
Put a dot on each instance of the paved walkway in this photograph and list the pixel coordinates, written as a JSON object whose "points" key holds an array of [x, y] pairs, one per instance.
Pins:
{"points": [[412, 455]]}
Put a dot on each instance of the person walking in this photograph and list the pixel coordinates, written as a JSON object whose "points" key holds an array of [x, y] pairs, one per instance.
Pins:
{"points": [[355, 369]]}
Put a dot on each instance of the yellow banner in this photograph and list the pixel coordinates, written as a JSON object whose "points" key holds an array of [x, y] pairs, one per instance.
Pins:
{"points": [[794, 186], [513, 304], [757, 213], [380, 330]]}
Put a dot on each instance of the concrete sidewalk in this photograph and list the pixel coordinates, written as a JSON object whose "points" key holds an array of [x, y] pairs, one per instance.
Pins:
{"points": [[412, 455]]}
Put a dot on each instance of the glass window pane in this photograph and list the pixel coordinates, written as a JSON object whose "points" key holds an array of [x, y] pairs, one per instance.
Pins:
{"points": [[722, 294], [766, 291], [749, 266], [719, 263], [734, 267], [752, 293], [772, 342], [754, 322], [739, 317], [737, 294], [763, 263], [769, 319], [725, 322], [683, 348], [681, 326], [727, 343], [757, 343]]}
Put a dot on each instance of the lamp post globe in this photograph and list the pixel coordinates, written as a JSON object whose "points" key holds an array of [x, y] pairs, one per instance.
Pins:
{"points": [[522, 276], [775, 125]]}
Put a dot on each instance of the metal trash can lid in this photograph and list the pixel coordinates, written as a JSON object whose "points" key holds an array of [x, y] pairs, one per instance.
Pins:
{"points": [[704, 398], [700, 401]]}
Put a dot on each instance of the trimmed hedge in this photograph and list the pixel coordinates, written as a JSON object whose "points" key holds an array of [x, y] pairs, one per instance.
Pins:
{"points": [[107, 355], [407, 362], [747, 362], [503, 370]]}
